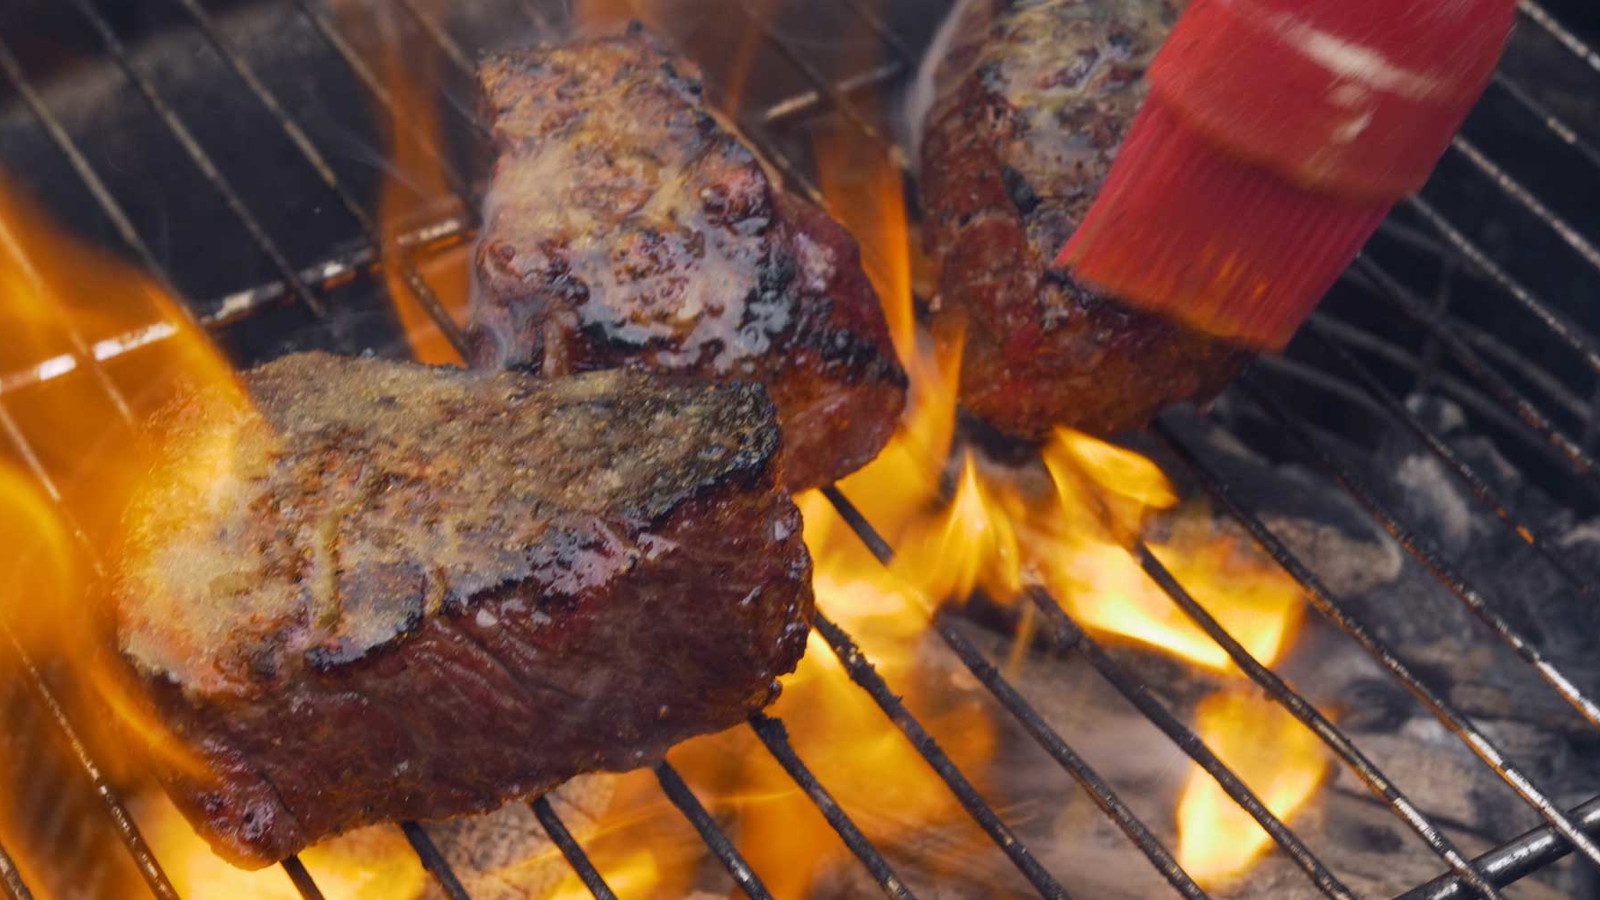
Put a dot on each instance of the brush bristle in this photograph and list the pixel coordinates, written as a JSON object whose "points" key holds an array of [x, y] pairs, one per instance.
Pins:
{"points": [[1226, 247]]}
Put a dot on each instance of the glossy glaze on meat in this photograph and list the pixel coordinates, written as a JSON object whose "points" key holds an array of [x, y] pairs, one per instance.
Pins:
{"points": [[402, 592], [627, 226], [1030, 103]]}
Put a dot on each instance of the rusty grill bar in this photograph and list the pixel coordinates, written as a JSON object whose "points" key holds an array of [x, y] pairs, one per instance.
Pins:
{"points": [[1563, 831]]}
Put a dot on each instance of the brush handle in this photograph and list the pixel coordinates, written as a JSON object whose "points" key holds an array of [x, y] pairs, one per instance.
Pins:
{"points": [[1277, 135], [1353, 97]]}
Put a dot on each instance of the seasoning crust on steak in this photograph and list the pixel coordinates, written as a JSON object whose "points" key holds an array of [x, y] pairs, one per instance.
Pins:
{"points": [[1029, 107], [400, 592], [626, 226]]}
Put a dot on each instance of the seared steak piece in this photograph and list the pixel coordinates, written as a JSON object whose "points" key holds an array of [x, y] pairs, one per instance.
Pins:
{"points": [[1029, 106], [626, 226], [402, 592]]}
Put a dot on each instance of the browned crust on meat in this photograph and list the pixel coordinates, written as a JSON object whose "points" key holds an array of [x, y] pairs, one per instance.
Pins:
{"points": [[522, 580], [1032, 105], [627, 226]]}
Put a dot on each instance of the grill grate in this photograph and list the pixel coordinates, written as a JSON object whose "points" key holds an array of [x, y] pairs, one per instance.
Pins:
{"points": [[1489, 392]]}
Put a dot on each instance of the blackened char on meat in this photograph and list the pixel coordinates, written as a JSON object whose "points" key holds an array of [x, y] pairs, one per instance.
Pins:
{"points": [[626, 226], [401, 592], [1030, 104]]}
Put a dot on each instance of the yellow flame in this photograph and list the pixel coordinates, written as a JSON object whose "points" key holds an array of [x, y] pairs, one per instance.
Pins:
{"points": [[987, 527], [93, 346], [972, 543], [866, 193], [1106, 495], [637, 874], [375, 863], [846, 739], [44, 570], [1281, 760]]}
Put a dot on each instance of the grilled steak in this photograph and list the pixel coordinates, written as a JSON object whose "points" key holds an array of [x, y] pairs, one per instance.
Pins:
{"points": [[1029, 106], [402, 592], [625, 226]]}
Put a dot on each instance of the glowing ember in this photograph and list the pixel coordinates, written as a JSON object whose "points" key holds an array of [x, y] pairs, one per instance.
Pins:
{"points": [[1280, 759]]}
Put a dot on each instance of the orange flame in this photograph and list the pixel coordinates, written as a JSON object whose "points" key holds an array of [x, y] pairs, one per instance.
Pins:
{"points": [[1106, 495], [416, 190], [43, 565], [94, 346], [972, 543], [373, 863], [869, 767], [997, 530], [1279, 758]]}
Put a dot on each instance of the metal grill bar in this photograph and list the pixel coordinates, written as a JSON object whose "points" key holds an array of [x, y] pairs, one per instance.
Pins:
{"points": [[1528, 853], [570, 849], [826, 92], [80, 352], [198, 155], [804, 103], [1334, 610], [1434, 317], [452, 50], [302, 142], [11, 879], [1098, 789], [1494, 382], [683, 798], [80, 165], [303, 882], [1313, 719], [434, 861], [1545, 115], [121, 819], [1304, 711], [824, 86], [329, 31], [1516, 191], [775, 736], [458, 59], [1486, 494], [1423, 551], [1559, 324], [1068, 635], [1352, 336], [865, 676], [1569, 40]]}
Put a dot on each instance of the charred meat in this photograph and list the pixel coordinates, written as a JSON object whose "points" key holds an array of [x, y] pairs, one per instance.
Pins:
{"points": [[1030, 102], [627, 227], [388, 591]]}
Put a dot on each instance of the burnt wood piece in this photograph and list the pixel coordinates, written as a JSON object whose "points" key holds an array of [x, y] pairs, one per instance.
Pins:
{"points": [[401, 592], [626, 226], [1031, 101]]}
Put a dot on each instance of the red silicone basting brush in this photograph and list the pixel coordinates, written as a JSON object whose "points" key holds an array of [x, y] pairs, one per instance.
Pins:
{"points": [[1277, 134]]}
